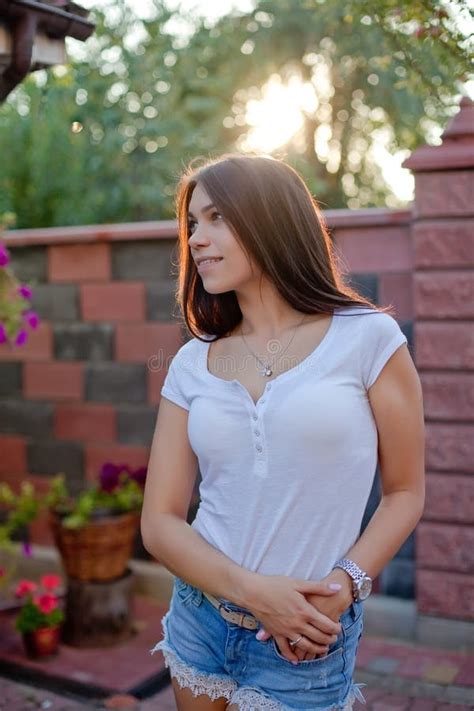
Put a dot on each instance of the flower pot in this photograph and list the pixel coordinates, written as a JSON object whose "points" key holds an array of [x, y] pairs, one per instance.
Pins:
{"points": [[98, 551], [42, 643]]}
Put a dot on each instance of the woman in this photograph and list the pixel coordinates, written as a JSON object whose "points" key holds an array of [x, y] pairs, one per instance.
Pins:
{"points": [[291, 387]]}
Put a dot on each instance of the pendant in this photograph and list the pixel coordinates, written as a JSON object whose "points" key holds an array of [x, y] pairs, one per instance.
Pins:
{"points": [[266, 370]]}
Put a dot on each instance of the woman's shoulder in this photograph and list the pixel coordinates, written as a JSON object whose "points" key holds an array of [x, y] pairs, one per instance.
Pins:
{"points": [[371, 324], [365, 314]]}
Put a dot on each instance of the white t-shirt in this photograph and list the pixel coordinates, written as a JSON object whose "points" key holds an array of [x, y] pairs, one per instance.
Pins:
{"points": [[285, 481]]}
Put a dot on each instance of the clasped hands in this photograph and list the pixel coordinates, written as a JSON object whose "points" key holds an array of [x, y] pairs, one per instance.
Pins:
{"points": [[289, 607]]}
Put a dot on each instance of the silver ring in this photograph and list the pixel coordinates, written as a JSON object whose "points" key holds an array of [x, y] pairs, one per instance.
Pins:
{"points": [[295, 642]]}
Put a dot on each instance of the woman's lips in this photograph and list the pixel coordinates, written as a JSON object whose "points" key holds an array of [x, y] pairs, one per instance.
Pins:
{"points": [[208, 265]]}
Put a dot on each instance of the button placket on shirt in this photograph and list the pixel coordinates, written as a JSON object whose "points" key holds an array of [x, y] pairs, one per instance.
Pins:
{"points": [[257, 430]]}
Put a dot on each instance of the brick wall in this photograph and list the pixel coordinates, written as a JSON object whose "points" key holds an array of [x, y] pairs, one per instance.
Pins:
{"points": [[443, 242]]}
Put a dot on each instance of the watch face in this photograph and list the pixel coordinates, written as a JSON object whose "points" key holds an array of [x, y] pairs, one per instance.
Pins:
{"points": [[365, 587]]}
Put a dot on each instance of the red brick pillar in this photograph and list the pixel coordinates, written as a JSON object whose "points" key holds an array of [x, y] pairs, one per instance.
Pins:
{"points": [[443, 232]]}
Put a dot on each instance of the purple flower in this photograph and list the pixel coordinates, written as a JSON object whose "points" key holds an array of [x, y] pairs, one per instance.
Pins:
{"points": [[25, 291], [139, 475], [26, 546], [31, 318], [4, 256], [3, 334], [109, 477], [21, 337]]}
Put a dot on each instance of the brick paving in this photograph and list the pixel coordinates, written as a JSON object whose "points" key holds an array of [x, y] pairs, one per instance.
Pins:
{"points": [[399, 677]]}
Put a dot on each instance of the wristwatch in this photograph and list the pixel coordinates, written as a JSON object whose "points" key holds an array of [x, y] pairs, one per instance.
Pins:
{"points": [[361, 583]]}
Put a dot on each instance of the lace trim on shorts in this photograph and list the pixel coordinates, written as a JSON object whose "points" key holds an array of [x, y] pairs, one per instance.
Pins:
{"points": [[187, 676]]}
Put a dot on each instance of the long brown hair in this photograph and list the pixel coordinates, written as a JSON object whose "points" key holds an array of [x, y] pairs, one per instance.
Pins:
{"points": [[277, 221]]}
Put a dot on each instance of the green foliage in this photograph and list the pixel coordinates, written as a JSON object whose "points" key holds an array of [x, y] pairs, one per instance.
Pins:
{"points": [[94, 501], [32, 618], [19, 509], [105, 138]]}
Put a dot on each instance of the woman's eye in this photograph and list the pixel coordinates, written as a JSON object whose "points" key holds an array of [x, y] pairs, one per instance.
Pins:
{"points": [[216, 215], [191, 226]]}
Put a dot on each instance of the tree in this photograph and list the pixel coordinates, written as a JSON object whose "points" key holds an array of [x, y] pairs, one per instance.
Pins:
{"points": [[105, 138]]}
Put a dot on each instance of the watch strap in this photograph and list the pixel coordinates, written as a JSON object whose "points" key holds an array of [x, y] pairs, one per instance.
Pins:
{"points": [[351, 569]]}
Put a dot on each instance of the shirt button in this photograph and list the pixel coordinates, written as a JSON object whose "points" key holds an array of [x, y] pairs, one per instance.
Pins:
{"points": [[258, 448], [257, 432], [262, 401], [255, 417], [269, 386]]}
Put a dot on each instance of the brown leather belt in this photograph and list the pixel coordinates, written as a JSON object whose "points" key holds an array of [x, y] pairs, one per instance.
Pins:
{"points": [[237, 618]]}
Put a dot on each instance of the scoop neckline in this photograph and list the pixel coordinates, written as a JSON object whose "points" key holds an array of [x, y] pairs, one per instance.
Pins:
{"points": [[302, 365]]}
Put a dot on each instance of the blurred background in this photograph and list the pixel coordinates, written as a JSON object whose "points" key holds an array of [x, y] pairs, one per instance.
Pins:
{"points": [[343, 90]]}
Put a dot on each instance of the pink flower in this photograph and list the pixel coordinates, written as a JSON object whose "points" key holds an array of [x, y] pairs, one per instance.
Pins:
{"points": [[21, 337], [31, 318], [25, 587], [4, 256], [25, 291], [50, 582], [3, 572], [46, 603], [3, 334]]}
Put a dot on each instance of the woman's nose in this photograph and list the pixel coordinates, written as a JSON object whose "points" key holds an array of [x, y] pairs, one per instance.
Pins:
{"points": [[198, 237]]}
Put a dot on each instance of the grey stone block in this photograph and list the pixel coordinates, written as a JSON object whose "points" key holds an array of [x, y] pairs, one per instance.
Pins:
{"points": [[10, 379], [136, 424], [26, 417], [50, 457], [29, 263], [83, 341], [147, 260], [367, 285], [160, 300], [116, 382], [397, 579], [56, 302]]}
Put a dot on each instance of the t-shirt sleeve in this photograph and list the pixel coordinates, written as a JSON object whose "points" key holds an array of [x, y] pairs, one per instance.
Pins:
{"points": [[174, 385], [381, 337]]}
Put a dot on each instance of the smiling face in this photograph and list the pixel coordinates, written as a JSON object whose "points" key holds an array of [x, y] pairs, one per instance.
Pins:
{"points": [[211, 236]]}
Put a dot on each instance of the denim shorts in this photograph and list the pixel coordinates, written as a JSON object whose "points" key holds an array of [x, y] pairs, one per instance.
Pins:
{"points": [[212, 656]]}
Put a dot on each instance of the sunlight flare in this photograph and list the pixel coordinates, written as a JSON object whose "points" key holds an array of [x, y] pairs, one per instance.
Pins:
{"points": [[279, 114]]}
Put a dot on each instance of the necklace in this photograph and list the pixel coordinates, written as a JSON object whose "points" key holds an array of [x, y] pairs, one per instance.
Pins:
{"points": [[266, 368]]}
